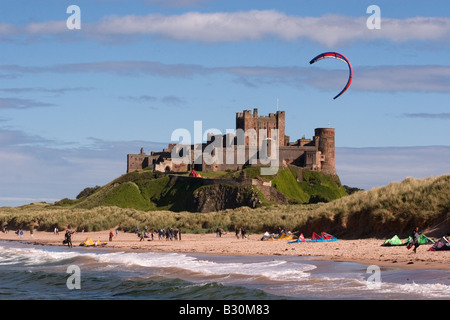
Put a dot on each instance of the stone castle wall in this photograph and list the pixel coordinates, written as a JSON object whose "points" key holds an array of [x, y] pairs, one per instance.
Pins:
{"points": [[316, 154]]}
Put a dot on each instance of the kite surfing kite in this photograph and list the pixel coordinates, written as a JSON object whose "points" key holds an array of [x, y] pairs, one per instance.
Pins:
{"points": [[338, 56], [323, 237]]}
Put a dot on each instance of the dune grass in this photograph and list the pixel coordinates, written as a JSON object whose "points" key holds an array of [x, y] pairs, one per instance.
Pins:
{"points": [[392, 209]]}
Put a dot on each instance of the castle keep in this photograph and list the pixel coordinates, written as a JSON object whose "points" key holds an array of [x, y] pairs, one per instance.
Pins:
{"points": [[229, 152]]}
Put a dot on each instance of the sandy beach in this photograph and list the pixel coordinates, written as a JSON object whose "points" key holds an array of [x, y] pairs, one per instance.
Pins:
{"points": [[367, 251]]}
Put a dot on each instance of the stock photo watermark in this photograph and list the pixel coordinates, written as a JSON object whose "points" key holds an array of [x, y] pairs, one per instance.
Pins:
{"points": [[74, 280], [74, 20], [374, 21], [374, 280], [235, 147]]}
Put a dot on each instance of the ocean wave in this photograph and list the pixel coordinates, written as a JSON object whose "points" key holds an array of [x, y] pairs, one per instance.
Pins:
{"points": [[426, 290], [33, 256], [295, 278], [274, 270]]}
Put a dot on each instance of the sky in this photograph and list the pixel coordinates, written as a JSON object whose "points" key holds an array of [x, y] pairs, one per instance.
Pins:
{"points": [[81, 87]]}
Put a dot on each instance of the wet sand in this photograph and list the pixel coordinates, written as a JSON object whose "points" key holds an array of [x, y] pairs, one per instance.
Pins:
{"points": [[367, 251]]}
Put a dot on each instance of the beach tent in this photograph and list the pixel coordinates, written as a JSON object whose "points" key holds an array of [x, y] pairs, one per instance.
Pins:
{"points": [[194, 174], [90, 243], [394, 241], [441, 244]]}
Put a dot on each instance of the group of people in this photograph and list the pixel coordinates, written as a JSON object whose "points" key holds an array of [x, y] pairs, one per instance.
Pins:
{"points": [[241, 233], [168, 234], [19, 232]]}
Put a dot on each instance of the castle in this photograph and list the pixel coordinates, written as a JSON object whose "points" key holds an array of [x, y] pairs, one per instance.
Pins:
{"points": [[262, 138]]}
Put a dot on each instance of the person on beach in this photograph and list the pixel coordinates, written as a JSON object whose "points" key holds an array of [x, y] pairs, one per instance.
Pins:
{"points": [[243, 233], [68, 237], [238, 232], [415, 238], [111, 235]]}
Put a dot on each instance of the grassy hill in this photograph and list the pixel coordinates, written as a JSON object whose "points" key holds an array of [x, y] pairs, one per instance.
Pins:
{"points": [[393, 209], [147, 190]]}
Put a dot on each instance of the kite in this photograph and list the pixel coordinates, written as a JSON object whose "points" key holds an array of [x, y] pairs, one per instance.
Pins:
{"points": [[338, 56]]}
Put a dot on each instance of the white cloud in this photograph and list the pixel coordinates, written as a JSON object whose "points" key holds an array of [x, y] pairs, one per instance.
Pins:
{"points": [[19, 103], [440, 116], [403, 78], [256, 25], [406, 78], [253, 25]]}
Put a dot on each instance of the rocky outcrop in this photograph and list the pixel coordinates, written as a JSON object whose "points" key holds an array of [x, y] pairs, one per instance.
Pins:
{"points": [[221, 196]]}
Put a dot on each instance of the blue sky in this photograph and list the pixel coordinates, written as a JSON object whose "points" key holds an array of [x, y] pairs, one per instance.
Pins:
{"points": [[73, 103]]}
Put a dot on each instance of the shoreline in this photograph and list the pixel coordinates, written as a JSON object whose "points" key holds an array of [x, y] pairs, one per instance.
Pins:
{"points": [[364, 251]]}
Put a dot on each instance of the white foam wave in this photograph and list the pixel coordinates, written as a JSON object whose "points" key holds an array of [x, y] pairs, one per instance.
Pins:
{"points": [[354, 285], [274, 270], [32, 256], [427, 290]]}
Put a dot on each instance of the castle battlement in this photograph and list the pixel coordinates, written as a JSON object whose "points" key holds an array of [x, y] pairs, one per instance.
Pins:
{"points": [[316, 154]]}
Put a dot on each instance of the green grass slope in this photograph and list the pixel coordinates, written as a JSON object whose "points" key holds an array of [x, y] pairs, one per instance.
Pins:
{"points": [[147, 190], [306, 186]]}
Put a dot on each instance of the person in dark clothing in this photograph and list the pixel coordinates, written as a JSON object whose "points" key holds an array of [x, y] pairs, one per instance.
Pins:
{"points": [[243, 233], [415, 238], [68, 237]]}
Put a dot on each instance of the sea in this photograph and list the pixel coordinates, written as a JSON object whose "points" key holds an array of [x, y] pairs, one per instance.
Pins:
{"points": [[38, 272]]}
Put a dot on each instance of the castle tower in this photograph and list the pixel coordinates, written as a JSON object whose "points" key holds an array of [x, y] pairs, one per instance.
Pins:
{"points": [[327, 149], [137, 161], [246, 120]]}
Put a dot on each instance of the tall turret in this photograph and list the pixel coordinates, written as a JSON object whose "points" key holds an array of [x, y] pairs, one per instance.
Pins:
{"points": [[327, 149]]}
